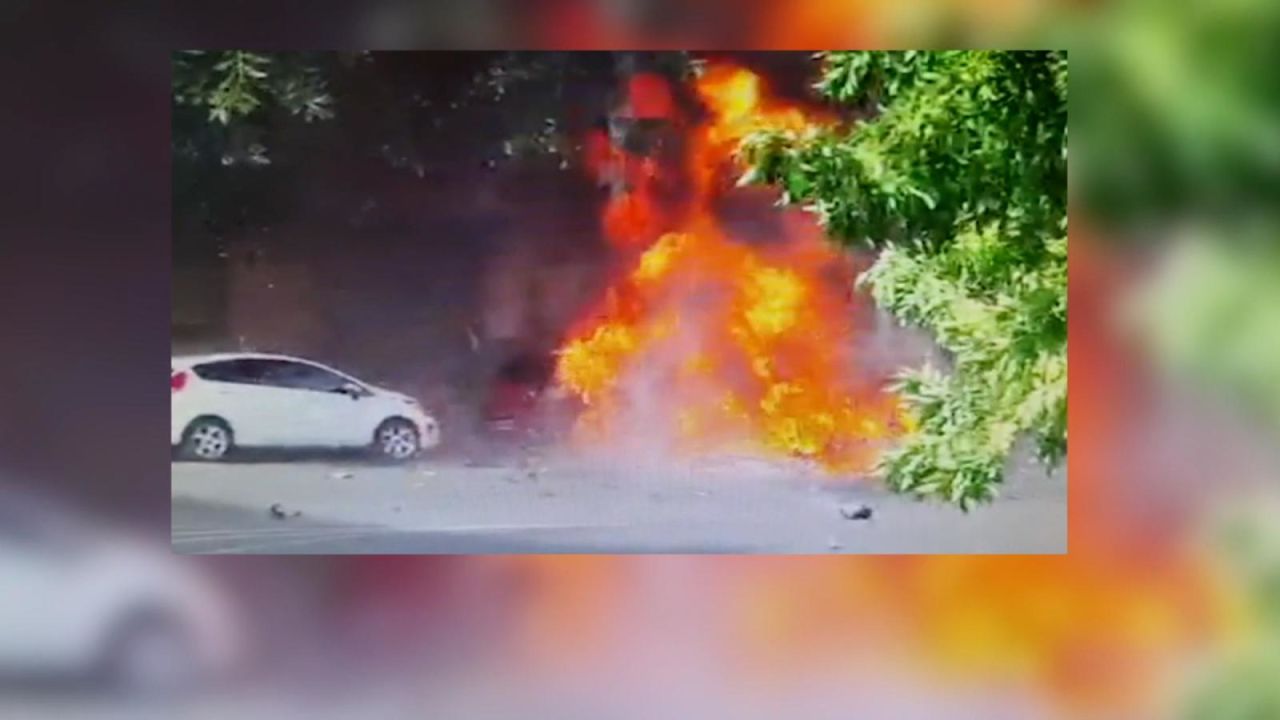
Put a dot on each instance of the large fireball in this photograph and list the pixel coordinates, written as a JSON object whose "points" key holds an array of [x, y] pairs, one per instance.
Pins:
{"points": [[712, 344]]}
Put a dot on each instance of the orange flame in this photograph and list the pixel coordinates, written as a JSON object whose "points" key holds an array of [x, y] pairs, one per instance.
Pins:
{"points": [[729, 346], [740, 105]]}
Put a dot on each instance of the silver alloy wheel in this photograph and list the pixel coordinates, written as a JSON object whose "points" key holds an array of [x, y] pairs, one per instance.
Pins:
{"points": [[209, 441], [398, 440]]}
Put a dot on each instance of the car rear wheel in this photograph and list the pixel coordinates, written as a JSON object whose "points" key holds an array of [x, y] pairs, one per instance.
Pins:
{"points": [[207, 439], [396, 440]]}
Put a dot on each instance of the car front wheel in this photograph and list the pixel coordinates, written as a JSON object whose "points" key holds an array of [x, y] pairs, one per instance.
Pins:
{"points": [[396, 440], [207, 439]]}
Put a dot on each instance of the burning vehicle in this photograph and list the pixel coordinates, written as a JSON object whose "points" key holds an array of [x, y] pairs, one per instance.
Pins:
{"points": [[708, 340], [525, 404]]}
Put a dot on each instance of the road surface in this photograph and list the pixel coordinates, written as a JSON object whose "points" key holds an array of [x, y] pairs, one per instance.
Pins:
{"points": [[729, 505]]}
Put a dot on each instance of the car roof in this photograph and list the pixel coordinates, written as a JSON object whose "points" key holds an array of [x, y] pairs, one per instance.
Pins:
{"points": [[218, 357], [187, 361]]}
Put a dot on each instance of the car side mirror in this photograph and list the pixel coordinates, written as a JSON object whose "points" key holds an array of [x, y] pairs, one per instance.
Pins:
{"points": [[351, 390]]}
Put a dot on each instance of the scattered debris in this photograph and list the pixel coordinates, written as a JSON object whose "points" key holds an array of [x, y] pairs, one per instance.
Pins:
{"points": [[343, 475], [834, 544], [855, 512], [279, 513], [532, 474], [428, 473]]}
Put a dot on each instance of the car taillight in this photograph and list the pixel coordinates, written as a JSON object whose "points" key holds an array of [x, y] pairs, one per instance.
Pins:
{"points": [[177, 381]]}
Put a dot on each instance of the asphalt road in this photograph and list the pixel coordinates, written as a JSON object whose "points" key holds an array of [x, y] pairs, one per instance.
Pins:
{"points": [[603, 505]]}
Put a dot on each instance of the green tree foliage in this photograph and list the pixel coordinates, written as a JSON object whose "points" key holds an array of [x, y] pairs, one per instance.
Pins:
{"points": [[513, 102], [234, 85], [230, 112], [957, 174], [247, 125]]}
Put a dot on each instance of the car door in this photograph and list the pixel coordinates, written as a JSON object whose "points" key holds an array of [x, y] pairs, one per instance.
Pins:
{"points": [[241, 392], [329, 406]]}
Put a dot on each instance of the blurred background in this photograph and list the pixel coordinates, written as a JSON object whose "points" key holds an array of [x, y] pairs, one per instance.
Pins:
{"points": [[1168, 604]]}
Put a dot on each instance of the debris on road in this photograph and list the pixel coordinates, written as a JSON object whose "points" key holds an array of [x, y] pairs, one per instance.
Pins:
{"points": [[279, 513], [531, 463], [855, 512], [343, 475], [428, 473], [546, 494], [834, 544]]}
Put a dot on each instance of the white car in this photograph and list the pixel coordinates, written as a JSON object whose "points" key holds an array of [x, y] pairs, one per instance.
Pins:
{"points": [[84, 600], [224, 401]]}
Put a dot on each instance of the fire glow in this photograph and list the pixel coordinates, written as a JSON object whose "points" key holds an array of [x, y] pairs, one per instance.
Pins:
{"points": [[708, 343]]}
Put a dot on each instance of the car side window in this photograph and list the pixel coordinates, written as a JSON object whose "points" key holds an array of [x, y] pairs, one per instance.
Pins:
{"points": [[301, 376], [245, 372]]}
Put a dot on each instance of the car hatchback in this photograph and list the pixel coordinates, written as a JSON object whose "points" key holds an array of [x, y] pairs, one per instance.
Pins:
{"points": [[222, 402]]}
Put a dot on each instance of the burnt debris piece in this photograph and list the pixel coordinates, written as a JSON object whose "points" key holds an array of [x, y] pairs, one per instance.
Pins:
{"points": [[279, 513], [855, 512]]}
